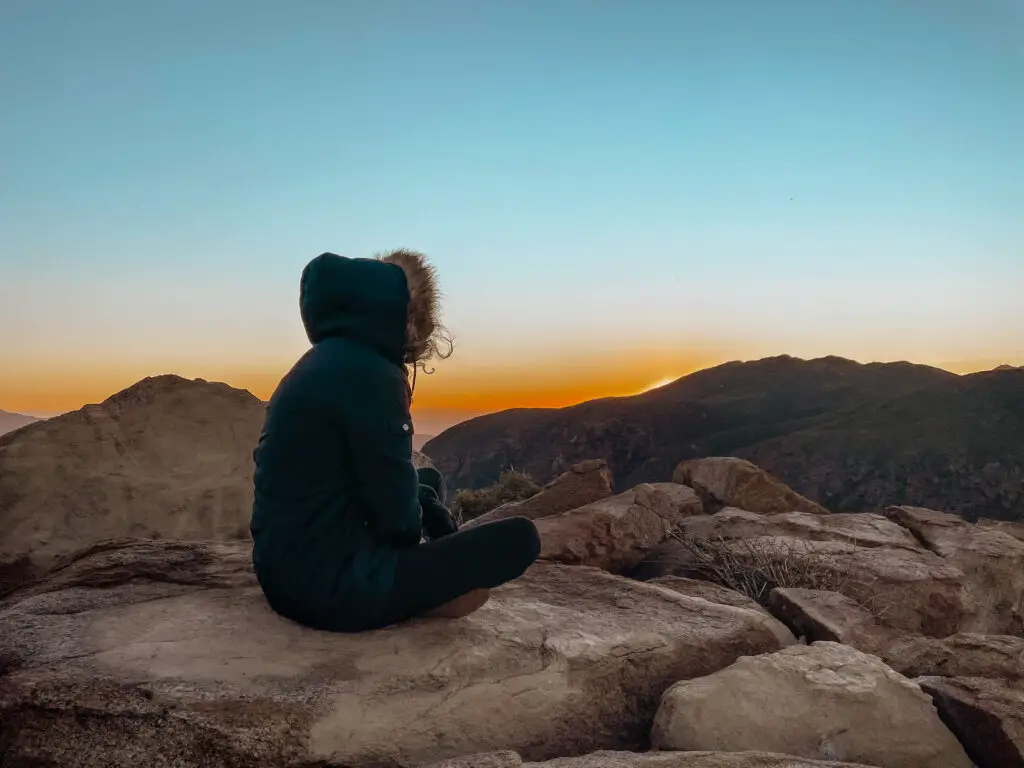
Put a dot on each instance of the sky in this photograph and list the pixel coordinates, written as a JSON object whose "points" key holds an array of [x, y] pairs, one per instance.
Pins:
{"points": [[615, 193]]}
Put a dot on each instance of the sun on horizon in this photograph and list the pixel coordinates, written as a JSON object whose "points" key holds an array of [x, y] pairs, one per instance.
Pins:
{"points": [[663, 381]]}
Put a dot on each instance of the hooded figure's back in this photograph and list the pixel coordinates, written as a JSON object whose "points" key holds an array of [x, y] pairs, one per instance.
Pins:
{"points": [[335, 487]]}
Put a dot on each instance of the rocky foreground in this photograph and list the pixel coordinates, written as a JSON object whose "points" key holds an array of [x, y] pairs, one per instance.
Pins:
{"points": [[718, 621]]}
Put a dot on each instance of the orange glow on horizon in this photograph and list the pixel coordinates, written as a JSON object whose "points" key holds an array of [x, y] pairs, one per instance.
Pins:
{"points": [[453, 390]]}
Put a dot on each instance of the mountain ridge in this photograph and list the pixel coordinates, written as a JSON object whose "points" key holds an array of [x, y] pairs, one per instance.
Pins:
{"points": [[755, 409]]}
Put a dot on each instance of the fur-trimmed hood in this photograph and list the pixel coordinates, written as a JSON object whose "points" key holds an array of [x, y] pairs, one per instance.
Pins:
{"points": [[423, 316], [391, 302]]}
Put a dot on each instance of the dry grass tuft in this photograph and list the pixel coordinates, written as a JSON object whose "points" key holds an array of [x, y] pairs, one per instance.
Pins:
{"points": [[754, 567]]}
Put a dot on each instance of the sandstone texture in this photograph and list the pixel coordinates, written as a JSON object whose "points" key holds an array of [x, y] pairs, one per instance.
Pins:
{"points": [[991, 558], [614, 534], [167, 649], [165, 458], [823, 701]]}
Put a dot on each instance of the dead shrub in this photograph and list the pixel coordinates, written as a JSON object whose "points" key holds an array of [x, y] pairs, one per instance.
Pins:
{"points": [[754, 567]]}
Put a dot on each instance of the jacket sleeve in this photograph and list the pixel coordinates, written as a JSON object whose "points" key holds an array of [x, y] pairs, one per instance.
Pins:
{"points": [[379, 430]]}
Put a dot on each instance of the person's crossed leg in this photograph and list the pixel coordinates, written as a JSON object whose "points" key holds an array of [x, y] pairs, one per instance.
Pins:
{"points": [[451, 576]]}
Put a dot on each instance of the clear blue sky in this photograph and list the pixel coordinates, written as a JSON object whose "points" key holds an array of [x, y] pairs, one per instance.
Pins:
{"points": [[729, 177]]}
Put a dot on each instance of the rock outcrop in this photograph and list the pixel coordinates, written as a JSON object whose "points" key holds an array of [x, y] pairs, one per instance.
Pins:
{"points": [[582, 484], [726, 481], [614, 534], [165, 458], [824, 701], [165, 652]]}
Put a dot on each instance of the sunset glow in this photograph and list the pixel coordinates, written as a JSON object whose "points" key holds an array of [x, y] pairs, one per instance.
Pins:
{"points": [[613, 195]]}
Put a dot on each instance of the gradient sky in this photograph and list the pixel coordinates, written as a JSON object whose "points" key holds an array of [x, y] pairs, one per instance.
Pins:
{"points": [[615, 192]]}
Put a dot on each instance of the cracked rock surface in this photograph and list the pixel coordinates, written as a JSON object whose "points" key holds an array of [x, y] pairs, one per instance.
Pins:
{"points": [[166, 649]]}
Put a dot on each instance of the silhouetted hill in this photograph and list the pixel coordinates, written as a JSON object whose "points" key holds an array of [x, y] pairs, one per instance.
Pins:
{"points": [[12, 421], [846, 434]]}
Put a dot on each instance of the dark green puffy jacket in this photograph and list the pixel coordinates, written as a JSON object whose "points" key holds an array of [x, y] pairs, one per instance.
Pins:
{"points": [[336, 493]]}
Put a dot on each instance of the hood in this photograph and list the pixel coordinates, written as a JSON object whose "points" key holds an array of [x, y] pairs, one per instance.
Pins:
{"points": [[389, 302]]}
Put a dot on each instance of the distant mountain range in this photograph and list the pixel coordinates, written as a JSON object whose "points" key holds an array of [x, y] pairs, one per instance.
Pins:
{"points": [[848, 435], [12, 421]]}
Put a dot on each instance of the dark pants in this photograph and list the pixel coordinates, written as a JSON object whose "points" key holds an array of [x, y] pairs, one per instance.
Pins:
{"points": [[438, 571]]}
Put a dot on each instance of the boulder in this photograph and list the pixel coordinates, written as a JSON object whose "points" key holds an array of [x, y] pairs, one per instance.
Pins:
{"points": [[986, 715], [164, 653], [991, 558], [709, 591], [644, 760], [820, 615], [823, 701], [728, 481], [869, 559], [614, 534], [582, 484], [165, 458], [685, 501]]}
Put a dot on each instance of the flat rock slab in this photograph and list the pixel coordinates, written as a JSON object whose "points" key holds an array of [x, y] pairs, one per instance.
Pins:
{"points": [[707, 590], [823, 701], [645, 760], [862, 529], [164, 653], [986, 715]]}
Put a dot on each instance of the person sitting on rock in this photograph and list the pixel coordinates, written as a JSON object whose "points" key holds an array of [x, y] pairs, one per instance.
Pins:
{"points": [[347, 534]]}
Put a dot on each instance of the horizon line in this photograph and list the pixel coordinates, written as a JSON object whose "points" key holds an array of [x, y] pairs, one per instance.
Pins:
{"points": [[961, 368]]}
